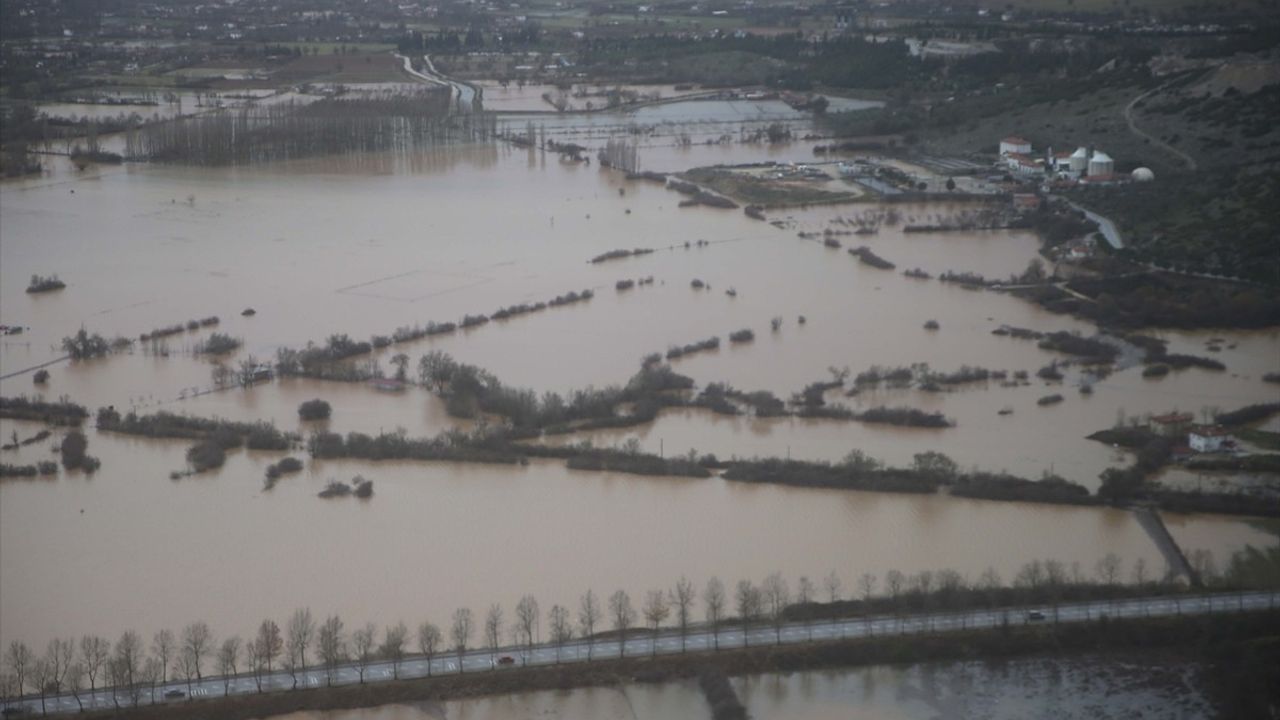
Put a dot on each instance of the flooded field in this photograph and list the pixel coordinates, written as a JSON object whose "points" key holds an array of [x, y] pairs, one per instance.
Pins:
{"points": [[363, 245], [1097, 688], [437, 536]]}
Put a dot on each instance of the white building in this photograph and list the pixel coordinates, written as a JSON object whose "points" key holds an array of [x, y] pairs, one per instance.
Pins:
{"points": [[1014, 144], [1208, 439], [1079, 160], [1101, 165]]}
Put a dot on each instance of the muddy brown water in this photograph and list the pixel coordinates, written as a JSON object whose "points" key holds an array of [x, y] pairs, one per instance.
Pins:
{"points": [[363, 245], [1075, 688]]}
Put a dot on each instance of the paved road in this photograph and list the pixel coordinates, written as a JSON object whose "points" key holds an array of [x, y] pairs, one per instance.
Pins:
{"points": [[668, 643], [1133, 128]]}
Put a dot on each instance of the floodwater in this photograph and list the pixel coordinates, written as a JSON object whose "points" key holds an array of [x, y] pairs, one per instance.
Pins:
{"points": [[364, 245], [632, 701], [436, 536], [1097, 688]]}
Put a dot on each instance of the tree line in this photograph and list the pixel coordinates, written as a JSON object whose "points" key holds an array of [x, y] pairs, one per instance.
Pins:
{"points": [[131, 669]]}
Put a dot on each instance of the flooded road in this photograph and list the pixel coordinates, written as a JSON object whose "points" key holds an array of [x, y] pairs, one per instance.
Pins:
{"points": [[365, 245]]}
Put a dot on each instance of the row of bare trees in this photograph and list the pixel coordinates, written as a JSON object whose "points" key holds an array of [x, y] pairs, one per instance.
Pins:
{"points": [[132, 670], [292, 130]]}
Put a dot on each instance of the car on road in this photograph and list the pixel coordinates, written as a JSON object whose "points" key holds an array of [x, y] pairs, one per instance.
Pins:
{"points": [[1035, 615], [506, 660], [174, 694]]}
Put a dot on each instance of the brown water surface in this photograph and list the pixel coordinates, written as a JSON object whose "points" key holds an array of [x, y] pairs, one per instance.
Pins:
{"points": [[363, 245]]}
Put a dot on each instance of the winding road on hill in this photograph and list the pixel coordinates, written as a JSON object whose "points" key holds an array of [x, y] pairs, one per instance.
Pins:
{"points": [[1133, 128]]}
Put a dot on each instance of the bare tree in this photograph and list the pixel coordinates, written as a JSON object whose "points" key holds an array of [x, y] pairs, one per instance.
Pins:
{"points": [[461, 633], [363, 641], [623, 616], [778, 596], [924, 584], [394, 638], [94, 651], [656, 610], [228, 659], [270, 643], [682, 597], [991, 584], [747, 599], [151, 673], [493, 631], [197, 640], [75, 683], [1108, 571], [527, 623], [1056, 577], [588, 616], [40, 673], [116, 677], [301, 630], [713, 601], [257, 662], [331, 646], [832, 585], [867, 584], [429, 639], [805, 593], [561, 627], [59, 655], [893, 582], [129, 654], [8, 689], [187, 666], [163, 647]]}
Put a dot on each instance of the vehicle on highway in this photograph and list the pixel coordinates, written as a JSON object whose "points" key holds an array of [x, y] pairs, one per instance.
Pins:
{"points": [[174, 694], [1035, 615], [506, 660]]}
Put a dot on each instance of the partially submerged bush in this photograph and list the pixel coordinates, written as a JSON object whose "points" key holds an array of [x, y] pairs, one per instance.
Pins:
{"points": [[206, 455], [40, 283], [217, 344], [315, 410], [286, 466]]}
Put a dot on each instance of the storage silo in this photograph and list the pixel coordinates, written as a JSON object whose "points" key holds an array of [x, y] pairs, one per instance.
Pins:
{"points": [[1079, 160], [1101, 164]]}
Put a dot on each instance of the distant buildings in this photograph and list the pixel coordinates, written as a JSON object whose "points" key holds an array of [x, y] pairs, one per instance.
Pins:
{"points": [[1084, 165]]}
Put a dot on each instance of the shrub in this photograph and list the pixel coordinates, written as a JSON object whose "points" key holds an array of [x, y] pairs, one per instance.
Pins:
{"points": [[911, 417], [41, 284], [73, 448], [277, 470], [742, 336], [206, 455], [315, 410], [41, 377], [217, 344]]}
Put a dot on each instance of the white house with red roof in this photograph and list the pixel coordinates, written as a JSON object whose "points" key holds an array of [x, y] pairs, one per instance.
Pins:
{"points": [[1015, 144]]}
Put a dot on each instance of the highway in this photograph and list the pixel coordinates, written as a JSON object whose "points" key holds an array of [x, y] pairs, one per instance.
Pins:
{"points": [[668, 642]]}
